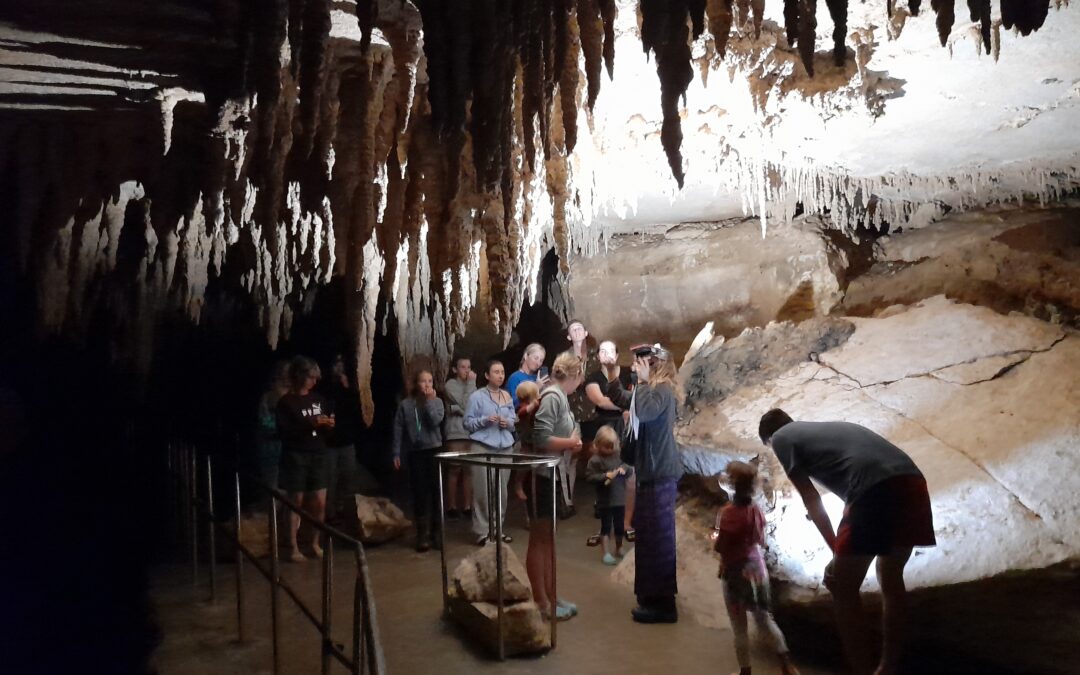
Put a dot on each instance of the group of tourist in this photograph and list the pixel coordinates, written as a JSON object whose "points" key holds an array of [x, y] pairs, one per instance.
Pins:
{"points": [[583, 402], [306, 441], [584, 405]]}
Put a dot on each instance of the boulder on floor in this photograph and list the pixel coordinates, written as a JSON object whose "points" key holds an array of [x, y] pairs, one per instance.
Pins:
{"points": [[379, 520], [474, 597], [475, 577]]}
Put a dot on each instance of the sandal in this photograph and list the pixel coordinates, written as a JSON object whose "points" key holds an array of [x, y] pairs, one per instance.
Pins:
{"points": [[593, 540], [631, 535]]}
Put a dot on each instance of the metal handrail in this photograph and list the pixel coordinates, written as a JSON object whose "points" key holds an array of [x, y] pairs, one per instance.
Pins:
{"points": [[367, 656]]}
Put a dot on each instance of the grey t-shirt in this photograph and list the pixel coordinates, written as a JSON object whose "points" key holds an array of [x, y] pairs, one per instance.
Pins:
{"points": [[846, 458]]}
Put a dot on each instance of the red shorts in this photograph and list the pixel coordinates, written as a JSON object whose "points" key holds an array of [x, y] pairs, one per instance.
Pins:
{"points": [[893, 514]]}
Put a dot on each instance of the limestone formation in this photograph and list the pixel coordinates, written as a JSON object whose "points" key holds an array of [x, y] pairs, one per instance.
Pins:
{"points": [[379, 520], [664, 287], [985, 404], [241, 157]]}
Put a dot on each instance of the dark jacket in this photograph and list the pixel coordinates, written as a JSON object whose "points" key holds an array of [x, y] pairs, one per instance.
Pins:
{"points": [[657, 456]]}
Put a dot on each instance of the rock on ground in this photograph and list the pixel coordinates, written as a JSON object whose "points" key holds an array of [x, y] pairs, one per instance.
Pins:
{"points": [[379, 520], [474, 597]]}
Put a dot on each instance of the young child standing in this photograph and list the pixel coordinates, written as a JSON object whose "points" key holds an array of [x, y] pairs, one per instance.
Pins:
{"points": [[527, 394], [741, 532], [608, 471]]}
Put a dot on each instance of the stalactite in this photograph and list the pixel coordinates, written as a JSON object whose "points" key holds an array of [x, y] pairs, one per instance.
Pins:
{"points": [[757, 8], [838, 10], [313, 70], [568, 83], [591, 26], [328, 159], [742, 13], [980, 11], [791, 21], [608, 13], [664, 32], [913, 7], [720, 18], [946, 15], [807, 31]]}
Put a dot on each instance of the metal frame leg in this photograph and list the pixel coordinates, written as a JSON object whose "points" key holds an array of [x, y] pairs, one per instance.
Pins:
{"points": [[275, 577], [210, 530], [239, 567]]}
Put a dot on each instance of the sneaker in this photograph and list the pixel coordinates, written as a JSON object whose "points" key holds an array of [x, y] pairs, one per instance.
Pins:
{"points": [[567, 604], [481, 540], [562, 613], [652, 615], [609, 559]]}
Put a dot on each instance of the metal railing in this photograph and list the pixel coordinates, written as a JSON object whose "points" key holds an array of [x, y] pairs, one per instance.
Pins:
{"points": [[493, 464], [365, 655]]}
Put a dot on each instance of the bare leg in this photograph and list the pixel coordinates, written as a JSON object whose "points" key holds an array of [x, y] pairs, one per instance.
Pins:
{"points": [[453, 479], [538, 562], [320, 516], [849, 572], [294, 527], [890, 573]]}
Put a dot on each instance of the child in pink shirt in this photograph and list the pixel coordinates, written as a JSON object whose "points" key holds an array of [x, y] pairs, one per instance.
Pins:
{"points": [[740, 529]]}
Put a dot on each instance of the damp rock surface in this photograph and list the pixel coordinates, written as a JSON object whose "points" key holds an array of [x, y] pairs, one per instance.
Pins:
{"points": [[986, 404]]}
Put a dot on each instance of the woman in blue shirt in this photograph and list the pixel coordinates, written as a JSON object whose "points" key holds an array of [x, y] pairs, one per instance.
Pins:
{"points": [[490, 419]]}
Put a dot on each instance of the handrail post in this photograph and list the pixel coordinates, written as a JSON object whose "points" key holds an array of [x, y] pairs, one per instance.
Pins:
{"points": [[193, 501], [442, 539], [210, 530], [358, 627], [275, 576], [554, 600], [239, 567], [495, 472], [327, 598]]}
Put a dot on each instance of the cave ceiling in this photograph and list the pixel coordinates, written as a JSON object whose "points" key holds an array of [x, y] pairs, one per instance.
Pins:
{"points": [[430, 152]]}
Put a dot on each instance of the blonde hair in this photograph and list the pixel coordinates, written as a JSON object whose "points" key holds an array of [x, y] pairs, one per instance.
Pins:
{"points": [[567, 366], [606, 438], [527, 392], [531, 349]]}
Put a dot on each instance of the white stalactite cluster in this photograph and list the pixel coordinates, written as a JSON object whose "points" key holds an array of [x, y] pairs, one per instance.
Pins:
{"points": [[361, 144]]}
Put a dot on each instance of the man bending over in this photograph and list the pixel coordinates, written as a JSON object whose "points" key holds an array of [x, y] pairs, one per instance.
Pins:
{"points": [[886, 514]]}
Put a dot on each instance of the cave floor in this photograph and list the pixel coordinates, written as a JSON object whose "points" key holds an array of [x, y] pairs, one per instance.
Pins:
{"points": [[199, 637]]}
